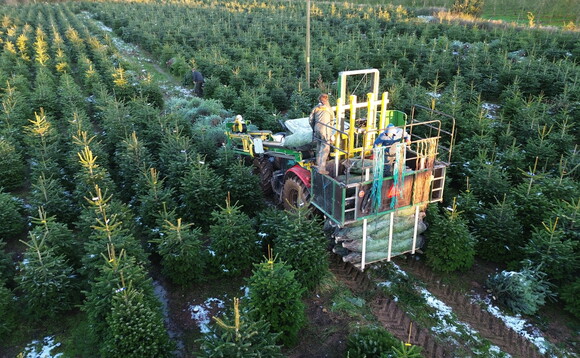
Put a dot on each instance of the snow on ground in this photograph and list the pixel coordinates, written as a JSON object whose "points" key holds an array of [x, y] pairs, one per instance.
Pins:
{"points": [[517, 323], [448, 324], [42, 349], [202, 314], [491, 109]]}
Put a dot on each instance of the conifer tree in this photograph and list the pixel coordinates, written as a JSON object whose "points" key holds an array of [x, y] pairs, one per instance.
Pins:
{"points": [[499, 233], [133, 159], [6, 265], [244, 187], [177, 158], [276, 296], [301, 243], [11, 220], [49, 193], [116, 271], [45, 281], [549, 249], [135, 327], [201, 191], [58, 237], [450, 246], [243, 338], [12, 164], [233, 239], [8, 321], [154, 199], [181, 255]]}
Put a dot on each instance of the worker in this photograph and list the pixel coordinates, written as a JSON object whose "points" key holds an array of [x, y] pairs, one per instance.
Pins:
{"points": [[390, 136], [239, 125], [198, 82], [322, 122]]}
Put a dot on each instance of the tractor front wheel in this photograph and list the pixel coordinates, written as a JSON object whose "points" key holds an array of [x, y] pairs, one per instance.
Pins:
{"points": [[264, 169], [295, 194]]}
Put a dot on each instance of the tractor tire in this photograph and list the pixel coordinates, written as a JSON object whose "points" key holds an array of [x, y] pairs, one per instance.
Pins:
{"points": [[264, 169], [295, 194]]}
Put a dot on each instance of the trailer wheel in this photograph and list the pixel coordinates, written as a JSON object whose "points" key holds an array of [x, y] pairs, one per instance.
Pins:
{"points": [[264, 168], [295, 194]]}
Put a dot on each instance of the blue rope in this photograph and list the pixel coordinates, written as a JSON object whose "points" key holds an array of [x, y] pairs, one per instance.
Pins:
{"points": [[378, 167], [397, 174]]}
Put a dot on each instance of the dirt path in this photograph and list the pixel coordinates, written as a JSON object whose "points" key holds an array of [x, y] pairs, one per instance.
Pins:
{"points": [[391, 316]]}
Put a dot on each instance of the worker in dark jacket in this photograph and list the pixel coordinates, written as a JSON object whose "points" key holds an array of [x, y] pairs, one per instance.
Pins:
{"points": [[322, 121], [198, 82]]}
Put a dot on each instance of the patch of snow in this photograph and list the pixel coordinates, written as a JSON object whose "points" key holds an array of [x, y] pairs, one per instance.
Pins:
{"points": [[517, 323], [491, 110], [246, 290], [434, 94], [426, 18], [38, 349], [201, 313], [386, 284]]}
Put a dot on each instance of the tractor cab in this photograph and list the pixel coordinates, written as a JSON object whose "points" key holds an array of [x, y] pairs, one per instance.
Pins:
{"points": [[376, 191]]}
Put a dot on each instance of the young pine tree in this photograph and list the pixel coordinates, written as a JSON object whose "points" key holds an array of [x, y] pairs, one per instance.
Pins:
{"points": [[135, 327], [301, 243], [202, 191], [233, 240], [115, 271], [12, 164], [244, 187], [243, 338], [182, 260], [276, 296], [46, 280], [11, 220], [499, 233], [450, 246]]}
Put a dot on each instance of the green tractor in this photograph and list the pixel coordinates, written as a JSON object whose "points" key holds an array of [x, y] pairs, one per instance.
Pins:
{"points": [[374, 197]]}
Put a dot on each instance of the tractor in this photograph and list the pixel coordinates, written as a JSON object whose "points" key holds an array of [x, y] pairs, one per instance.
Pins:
{"points": [[373, 197]]}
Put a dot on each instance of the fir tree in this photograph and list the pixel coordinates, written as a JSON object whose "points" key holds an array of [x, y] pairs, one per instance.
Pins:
{"points": [[8, 312], [58, 237], [202, 191], [46, 280], [177, 158], [11, 220], [244, 187], [48, 193], [301, 243], [153, 200], [134, 327], [118, 269], [243, 338], [12, 164], [499, 233], [569, 294], [450, 246], [523, 291], [276, 296], [233, 239], [549, 249], [181, 254], [133, 159], [6, 265]]}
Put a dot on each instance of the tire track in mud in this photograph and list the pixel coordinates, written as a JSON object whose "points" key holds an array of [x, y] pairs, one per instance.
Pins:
{"points": [[487, 325], [388, 313], [397, 322]]}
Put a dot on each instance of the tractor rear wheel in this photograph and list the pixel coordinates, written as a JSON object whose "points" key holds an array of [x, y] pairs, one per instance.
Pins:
{"points": [[264, 168], [295, 194]]}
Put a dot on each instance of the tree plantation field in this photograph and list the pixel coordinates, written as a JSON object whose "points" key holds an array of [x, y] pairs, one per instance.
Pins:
{"points": [[128, 228]]}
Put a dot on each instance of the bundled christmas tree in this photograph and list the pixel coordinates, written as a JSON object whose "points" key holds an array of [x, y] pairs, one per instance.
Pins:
{"points": [[233, 240], [276, 296], [243, 338]]}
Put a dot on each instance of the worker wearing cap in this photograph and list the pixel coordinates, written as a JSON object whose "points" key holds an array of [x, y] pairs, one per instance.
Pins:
{"points": [[386, 139], [322, 121], [391, 136]]}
